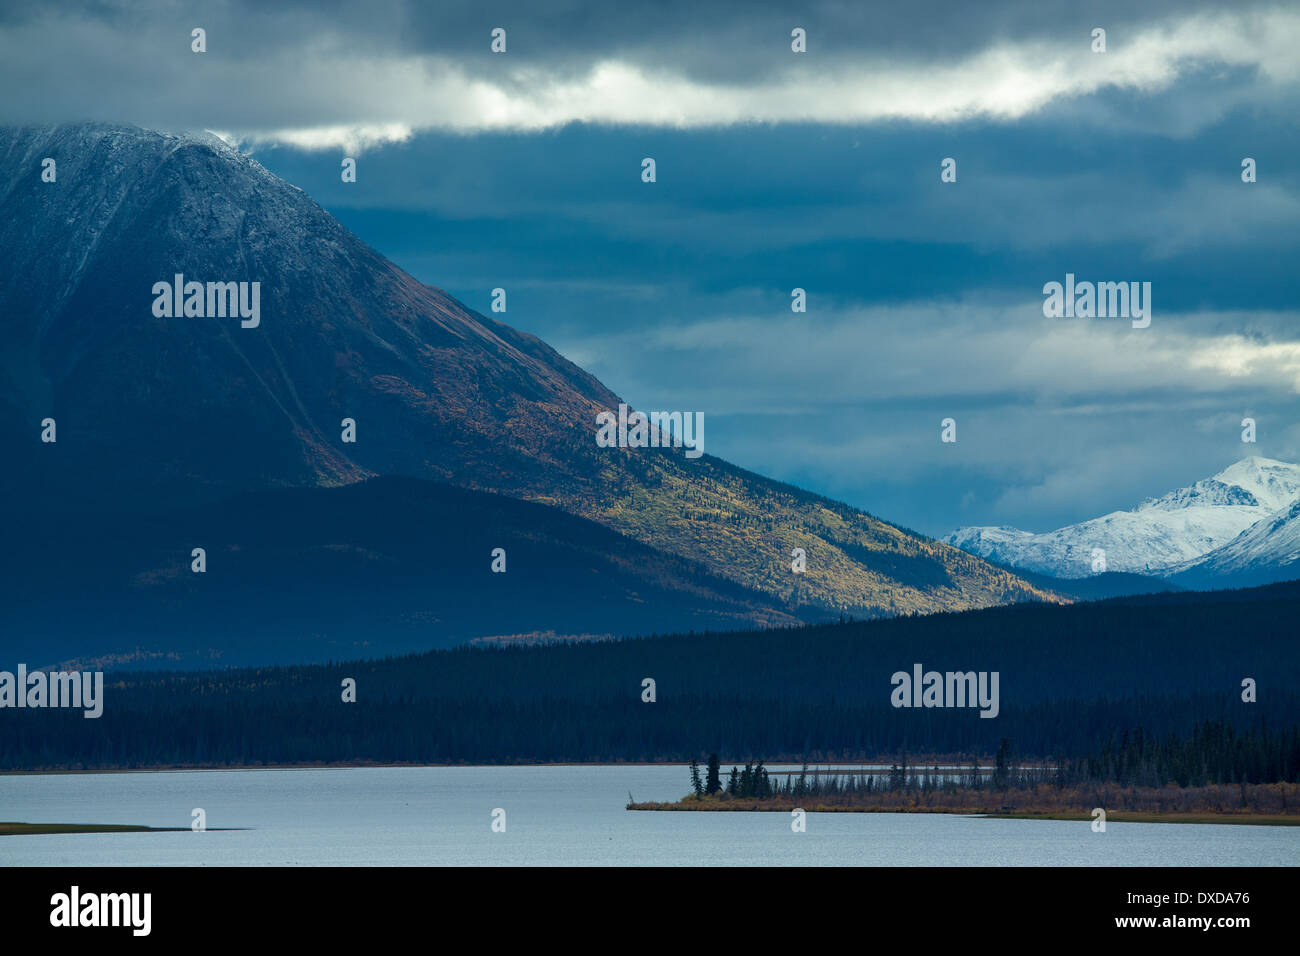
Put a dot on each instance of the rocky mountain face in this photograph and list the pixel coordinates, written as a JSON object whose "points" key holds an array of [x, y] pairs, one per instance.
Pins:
{"points": [[171, 410]]}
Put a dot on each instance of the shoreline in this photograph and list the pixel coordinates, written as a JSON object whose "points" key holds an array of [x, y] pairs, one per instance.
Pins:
{"points": [[182, 768], [325, 766]]}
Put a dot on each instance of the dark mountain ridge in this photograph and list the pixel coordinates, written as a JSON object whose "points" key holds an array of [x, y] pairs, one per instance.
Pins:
{"points": [[299, 575]]}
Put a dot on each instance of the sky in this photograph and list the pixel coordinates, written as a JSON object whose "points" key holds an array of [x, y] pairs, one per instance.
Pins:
{"points": [[778, 170]]}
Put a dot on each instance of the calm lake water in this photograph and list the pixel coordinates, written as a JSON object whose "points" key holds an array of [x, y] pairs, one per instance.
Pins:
{"points": [[554, 815]]}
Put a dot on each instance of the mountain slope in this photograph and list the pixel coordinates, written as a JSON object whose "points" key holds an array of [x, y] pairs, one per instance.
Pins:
{"points": [[1160, 534], [1267, 551], [302, 575], [179, 410]]}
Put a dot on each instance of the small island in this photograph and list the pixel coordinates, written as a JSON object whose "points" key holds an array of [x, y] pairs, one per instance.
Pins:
{"points": [[1213, 777], [37, 829], [29, 829]]}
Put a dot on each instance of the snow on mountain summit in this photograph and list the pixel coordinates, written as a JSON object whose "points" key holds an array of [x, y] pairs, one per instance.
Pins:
{"points": [[1259, 482], [1167, 533], [1275, 484]]}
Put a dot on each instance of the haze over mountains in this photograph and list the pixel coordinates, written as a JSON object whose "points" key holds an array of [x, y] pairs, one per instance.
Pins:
{"points": [[1239, 527], [157, 415]]}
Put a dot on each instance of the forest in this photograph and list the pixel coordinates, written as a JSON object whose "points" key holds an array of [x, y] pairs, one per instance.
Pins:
{"points": [[1073, 680], [1213, 774]]}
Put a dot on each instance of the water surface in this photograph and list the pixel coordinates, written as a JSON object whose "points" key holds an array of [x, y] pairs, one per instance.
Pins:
{"points": [[566, 815]]}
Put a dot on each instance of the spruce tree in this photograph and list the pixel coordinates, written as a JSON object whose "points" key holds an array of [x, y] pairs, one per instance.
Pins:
{"points": [[1002, 768], [712, 783]]}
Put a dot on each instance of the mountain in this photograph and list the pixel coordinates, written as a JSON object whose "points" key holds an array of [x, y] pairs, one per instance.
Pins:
{"points": [[156, 411], [302, 575], [1159, 535], [1267, 551]]}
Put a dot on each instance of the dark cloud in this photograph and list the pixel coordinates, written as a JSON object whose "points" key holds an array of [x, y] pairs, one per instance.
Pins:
{"points": [[924, 298], [274, 67]]}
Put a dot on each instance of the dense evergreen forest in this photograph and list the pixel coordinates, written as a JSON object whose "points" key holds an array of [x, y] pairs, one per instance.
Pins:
{"points": [[1072, 680], [1213, 753]]}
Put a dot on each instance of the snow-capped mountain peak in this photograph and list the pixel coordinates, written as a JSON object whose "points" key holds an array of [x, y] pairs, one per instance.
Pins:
{"points": [[1259, 482], [1162, 534], [1275, 484]]}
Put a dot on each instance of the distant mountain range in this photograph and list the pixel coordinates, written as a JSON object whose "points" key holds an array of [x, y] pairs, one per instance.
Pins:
{"points": [[1240, 527], [157, 414]]}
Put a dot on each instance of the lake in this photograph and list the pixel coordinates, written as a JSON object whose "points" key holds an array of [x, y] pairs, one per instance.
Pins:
{"points": [[566, 815]]}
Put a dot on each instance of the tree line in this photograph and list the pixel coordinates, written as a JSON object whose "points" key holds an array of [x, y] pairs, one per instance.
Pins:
{"points": [[1213, 753], [1071, 677]]}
